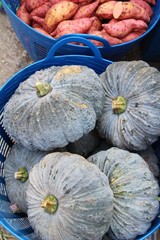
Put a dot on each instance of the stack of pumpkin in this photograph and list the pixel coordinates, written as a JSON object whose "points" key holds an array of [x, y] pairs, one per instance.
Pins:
{"points": [[79, 165]]}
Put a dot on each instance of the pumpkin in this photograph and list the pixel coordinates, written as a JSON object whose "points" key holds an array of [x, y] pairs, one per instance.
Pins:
{"points": [[131, 114], [135, 191], [152, 160], [86, 144], [68, 198], [54, 106], [16, 170]]}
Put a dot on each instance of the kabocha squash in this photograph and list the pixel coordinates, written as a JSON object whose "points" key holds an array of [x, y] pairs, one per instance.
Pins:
{"points": [[131, 114], [68, 198], [54, 106], [16, 170], [135, 190]]}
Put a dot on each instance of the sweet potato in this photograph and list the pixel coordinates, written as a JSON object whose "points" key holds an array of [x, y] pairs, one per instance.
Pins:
{"points": [[96, 25], [99, 34], [151, 2], [82, 1], [73, 26], [57, 13], [35, 24], [144, 5], [85, 2], [103, 1], [124, 27], [32, 4], [105, 10], [125, 10], [86, 11], [103, 34], [23, 14], [133, 35], [38, 20], [42, 10], [62, 33], [41, 30]]}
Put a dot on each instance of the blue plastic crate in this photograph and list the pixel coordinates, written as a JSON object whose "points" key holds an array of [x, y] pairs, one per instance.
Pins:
{"points": [[37, 45], [18, 224], [151, 45]]}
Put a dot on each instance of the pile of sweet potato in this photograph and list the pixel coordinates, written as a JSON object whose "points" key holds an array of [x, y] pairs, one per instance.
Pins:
{"points": [[116, 21]]}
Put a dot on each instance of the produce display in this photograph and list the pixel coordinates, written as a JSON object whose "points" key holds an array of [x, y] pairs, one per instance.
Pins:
{"points": [[83, 164], [116, 21]]}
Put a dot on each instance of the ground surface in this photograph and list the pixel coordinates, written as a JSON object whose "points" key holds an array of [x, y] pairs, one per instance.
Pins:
{"points": [[12, 56]]}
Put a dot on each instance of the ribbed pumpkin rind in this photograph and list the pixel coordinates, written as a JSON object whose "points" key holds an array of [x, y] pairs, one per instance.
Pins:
{"points": [[139, 126], [64, 115], [84, 196], [135, 190], [19, 157]]}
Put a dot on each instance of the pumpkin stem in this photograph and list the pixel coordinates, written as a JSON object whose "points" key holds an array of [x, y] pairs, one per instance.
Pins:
{"points": [[119, 105], [158, 198], [50, 204], [22, 174], [43, 89]]}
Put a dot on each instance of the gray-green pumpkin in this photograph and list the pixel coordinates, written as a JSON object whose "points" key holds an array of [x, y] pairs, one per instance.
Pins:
{"points": [[54, 106], [68, 198], [135, 191], [16, 171], [131, 114]]}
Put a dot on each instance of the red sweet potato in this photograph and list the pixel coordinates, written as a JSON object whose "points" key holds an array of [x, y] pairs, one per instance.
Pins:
{"points": [[144, 5], [81, 25], [151, 2], [113, 20], [32, 4], [38, 20], [103, 34], [96, 25], [99, 34], [41, 30], [105, 10], [124, 27], [103, 1], [62, 33], [86, 11], [42, 10], [133, 35], [23, 14], [125, 10], [84, 2], [35, 24], [57, 13]]}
